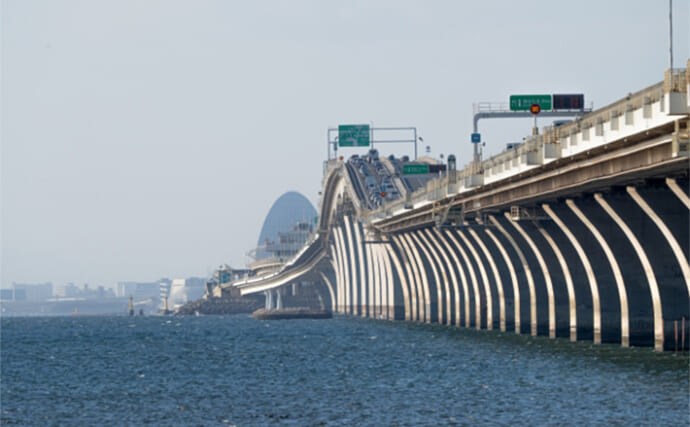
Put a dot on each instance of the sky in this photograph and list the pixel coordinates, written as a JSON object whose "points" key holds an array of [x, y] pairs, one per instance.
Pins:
{"points": [[145, 139]]}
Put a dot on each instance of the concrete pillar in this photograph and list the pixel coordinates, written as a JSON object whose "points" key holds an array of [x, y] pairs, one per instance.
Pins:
{"points": [[279, 299], [361, 303], [344, 290], [444, 298]]}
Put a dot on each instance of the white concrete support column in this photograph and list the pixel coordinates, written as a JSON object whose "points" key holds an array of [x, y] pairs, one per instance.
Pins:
{"points": [[344, 294], [497, 279], [473, 277], [418, 265], [435, 243], [381, 290], [403, 282], [465, 287], [372, 280], [268, 305], [279, 299], [416, 293], [682, 196], [646, 266], [336, 269], [572, 307], [389, 285], [618, 276], [528, 274], [362, 302], [331, 292], [485, 281], [545, 271], [513, 279], [352, 262], [670, 239], [591, 277], [444, 300], [437, 278]]}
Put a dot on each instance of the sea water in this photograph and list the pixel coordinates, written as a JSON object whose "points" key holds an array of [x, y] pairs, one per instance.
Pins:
{"points": [[234, 370]]}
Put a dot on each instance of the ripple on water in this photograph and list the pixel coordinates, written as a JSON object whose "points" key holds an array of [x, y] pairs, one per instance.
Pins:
{"points": [[234, 370]]}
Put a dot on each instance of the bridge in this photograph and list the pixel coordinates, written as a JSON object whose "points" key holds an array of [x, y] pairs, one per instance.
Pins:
{"points": [[581, 232]]}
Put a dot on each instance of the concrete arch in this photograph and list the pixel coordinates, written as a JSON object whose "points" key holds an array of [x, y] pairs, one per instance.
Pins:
{"points": [[378, 288], [528, 274], [618, 276], [428, 240], [545, 270], [407, 298], [463, 278], [334, 264], [591, 278], [473, 277], [485, 280], [352, 289], [672, 242], [513, 279], [649, 273], [437, 280], [497, 280], [418, 266]]}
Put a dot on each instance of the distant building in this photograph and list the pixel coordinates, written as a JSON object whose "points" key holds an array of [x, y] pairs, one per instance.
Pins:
{"points": [[226, 274], [29, 292], [185, 290]]}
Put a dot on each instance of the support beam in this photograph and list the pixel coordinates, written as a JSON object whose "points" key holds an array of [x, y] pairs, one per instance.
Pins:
{"points": [[418, 267], [362, 301], [647, 267], [485, 281], [403, 282], [618, 276], [545, 270], [670, 239], [682, 196], [473, 277], [497, 280], [442, 300], [352, 288], [463, 279], [437, 279], [528, 274], [591, 278], [513, 279]]}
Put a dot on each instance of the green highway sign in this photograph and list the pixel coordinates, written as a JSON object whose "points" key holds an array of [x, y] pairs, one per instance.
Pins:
{"points": [[353, 136], [523, 102], [415, 169]]}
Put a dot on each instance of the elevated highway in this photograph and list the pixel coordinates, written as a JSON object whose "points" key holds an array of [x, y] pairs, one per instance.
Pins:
{"points": [[582, 232]]}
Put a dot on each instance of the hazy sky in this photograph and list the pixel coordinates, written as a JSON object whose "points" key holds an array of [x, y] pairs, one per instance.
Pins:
{"points": [[147, 139]]}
